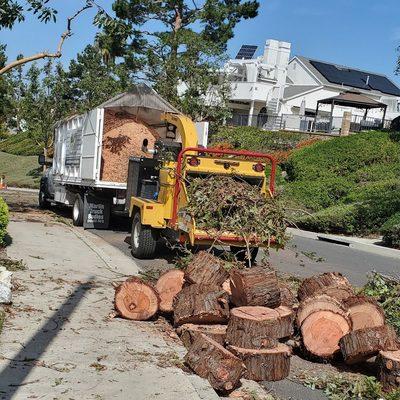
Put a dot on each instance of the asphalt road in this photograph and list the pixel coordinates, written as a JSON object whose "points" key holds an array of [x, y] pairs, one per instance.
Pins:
{"points": [[302, 257]]}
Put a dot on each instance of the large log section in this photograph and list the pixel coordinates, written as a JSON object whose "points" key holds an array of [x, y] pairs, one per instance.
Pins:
{"points": [[190, 332], [255, 287], [389, 369], [168, 286], [211, 361]]}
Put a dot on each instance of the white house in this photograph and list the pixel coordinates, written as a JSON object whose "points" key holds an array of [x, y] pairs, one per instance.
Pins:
{"points": [[277, 85]]}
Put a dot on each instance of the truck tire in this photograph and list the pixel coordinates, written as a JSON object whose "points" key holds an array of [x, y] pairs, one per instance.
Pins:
{"points": [[77, 211], [240, 253], [43, 203], [143, 239]]}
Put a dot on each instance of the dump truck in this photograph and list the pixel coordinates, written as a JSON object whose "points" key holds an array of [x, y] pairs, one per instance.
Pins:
{"points": [[132, 156]]}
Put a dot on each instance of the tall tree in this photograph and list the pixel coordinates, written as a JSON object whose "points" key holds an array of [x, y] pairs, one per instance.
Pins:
{"points": [[182, 50]]}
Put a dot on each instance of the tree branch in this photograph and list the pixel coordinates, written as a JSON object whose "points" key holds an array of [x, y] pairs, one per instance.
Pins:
{"points": [[45, 54]]}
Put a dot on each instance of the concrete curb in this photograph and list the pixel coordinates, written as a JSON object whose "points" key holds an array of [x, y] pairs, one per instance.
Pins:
{"points": [[18, 189], [120, 264], [367, 245]]}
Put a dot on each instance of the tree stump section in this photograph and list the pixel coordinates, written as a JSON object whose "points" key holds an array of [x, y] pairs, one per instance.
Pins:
{"points": [[136, 300], [190, 332], [358, 346], [206, 269], [265, 364], [200, 304], [389, 369], [333, 284], [168, 286], [211, 361], [323, 321], [255, 287], [288, 298], [255, 327], [320, 303], [364, 312], [227, 286]]}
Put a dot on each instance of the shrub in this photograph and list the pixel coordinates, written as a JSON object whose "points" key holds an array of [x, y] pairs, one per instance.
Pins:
{"points": [[3, 220], [336, 219], [391, 231]]}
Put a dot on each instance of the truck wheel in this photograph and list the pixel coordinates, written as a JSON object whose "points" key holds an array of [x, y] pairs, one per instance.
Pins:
{"points": [[43, 203], [77, 211], [143, 239], [240, 253]]}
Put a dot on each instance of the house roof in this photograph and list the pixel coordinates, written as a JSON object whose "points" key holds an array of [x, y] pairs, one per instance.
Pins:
{"points": [[344, 77], [296, 90], [355, 100]]}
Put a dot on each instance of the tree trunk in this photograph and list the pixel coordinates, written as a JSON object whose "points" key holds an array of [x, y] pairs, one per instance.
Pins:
{"points": [[211, 361], [265, 364], [255, 287], [288, 298], [255, 327], [206, 269], [136, 300], [333, 284], [323, 321], [190, 332], [358, 346], [168, 286], [201, 304], [364, 312], [389, 369]]}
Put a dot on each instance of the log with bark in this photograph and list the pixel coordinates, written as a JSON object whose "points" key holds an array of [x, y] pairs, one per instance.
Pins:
{"points": [[136, 300], [389, 369], [288, 298], [189, 333], [255, 287], [255, 327], [332, 284], [323, 321], [364, 312], [358, 346], [206, 269], [201, 304], [271, 364], [211, 361], [168, 286]]}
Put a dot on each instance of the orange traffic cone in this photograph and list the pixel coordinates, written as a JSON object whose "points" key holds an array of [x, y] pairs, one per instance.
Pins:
{"points": [[3, 184]]}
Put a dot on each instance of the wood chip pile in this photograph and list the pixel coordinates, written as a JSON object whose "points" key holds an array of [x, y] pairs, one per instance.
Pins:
{"points": [[243, 330], [123, 136]]}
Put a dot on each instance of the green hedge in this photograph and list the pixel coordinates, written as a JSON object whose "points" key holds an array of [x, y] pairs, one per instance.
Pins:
{"points": [[4, 218], [20, 145], [391, 231]]}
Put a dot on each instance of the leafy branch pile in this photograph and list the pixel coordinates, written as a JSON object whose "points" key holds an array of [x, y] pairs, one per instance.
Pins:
{"points": [[386, 290], [225, 204]]}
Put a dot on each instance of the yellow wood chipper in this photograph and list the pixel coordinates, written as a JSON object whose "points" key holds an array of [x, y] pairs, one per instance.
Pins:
{"points": [[159, 194]]}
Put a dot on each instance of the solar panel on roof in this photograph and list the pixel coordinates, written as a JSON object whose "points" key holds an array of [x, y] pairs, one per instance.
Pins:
{"points": [[246, 52], [354, 78]]}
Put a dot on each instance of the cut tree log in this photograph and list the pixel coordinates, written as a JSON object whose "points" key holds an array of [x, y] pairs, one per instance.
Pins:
{"points": [[318, 303], [189, 333], [206, 269], [265, 364], [288, 298], [389, 369], [168, 286], [333, 284], [227, 287], [364, 312], [323, 321], [255, 287], [358, 346], [211, 361], [201, 304], [136, 300], [255, 327]]}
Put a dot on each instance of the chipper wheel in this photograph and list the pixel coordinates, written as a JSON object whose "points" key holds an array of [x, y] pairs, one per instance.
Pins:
{"points": [[143, 239], [241, 253]]}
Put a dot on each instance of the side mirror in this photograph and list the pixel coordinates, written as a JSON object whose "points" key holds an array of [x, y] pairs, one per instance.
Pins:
{"points": [[42, 159]]}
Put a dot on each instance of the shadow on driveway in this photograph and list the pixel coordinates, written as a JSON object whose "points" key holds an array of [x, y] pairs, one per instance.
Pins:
{"points": [[14, 374]]}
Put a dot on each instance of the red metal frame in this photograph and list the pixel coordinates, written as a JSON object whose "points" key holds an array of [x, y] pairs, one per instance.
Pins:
{"points": [[244, 153]]}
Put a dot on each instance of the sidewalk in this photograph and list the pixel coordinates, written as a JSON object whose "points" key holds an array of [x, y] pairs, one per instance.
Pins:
{"points": [[58, 341], [363, 244]]}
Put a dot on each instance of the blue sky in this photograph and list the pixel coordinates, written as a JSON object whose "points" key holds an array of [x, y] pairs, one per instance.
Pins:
{"points": [[357, 33]]}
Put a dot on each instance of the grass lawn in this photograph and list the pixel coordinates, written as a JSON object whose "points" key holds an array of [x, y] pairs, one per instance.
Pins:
{"points": [[21, 171]]}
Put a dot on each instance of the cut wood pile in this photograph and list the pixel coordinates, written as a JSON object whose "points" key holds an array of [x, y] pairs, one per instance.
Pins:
{"points": [[123, 136], [244, 330]]}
